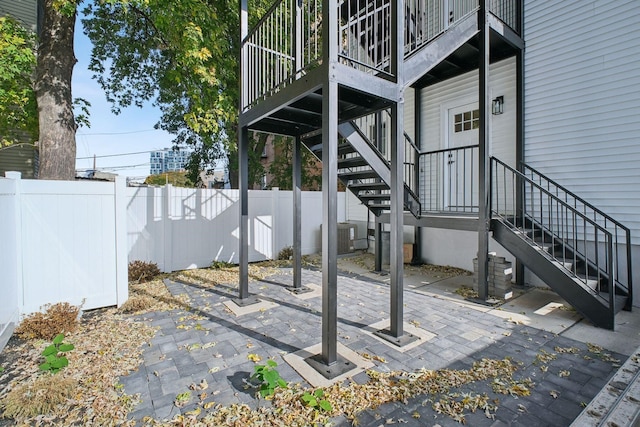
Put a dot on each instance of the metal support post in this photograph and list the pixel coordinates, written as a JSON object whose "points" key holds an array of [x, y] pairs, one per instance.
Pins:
{"points": [[397, 220], [243, 179], [329, 222], [483, 154], [378, 248], [243, 166], [417, 129], [297, 215], [520, 188]]}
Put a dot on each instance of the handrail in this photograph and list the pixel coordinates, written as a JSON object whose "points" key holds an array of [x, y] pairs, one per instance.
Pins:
{"points": [[564, 223], [616, 225], [574, 196], [262, 20], [548, 193]]}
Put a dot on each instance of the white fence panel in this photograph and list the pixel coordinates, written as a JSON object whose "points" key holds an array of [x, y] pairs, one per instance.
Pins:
{"points": [[181, 228], [70, 250], [10, 268]]}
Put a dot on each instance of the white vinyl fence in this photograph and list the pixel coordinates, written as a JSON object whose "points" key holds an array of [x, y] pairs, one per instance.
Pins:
{"points": [[61, 242], [71, 241], [181, 228]]}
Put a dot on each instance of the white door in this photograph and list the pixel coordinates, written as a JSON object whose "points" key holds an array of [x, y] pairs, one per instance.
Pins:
{"points": [[461, 179]]}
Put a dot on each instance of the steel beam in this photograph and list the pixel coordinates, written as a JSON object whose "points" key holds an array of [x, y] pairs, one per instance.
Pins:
{"points": [[297, 215], [520, 190], [483, 153], [377, 235], [329, 354], [397, 176], [243, 179], [397, 223], [417, 130], [329, 223], [243, 165]]}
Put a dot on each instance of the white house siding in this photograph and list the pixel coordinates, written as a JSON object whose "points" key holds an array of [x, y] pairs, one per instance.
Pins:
{"points": [[24, 11], [436, 99], [582, 76], [409, 112], [450, 247]]}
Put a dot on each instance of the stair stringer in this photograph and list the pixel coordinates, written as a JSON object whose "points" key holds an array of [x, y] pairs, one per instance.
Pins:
{"points": [[539, 262], [350, 132], [436, 50]]}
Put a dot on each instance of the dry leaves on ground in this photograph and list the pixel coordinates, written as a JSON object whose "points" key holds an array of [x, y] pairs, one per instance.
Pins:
{"points": [[107, 346]]}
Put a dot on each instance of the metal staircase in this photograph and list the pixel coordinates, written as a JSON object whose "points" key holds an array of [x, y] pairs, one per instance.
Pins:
{"points": [[365, 171], [576, 249]]}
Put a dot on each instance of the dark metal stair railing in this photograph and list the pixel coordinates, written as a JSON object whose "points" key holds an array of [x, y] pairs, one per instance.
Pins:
{"points": [[369, 128], [547, 221], [621, 234]]}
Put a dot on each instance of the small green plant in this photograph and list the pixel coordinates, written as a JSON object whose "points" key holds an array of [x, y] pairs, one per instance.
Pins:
{"points": [[268, 378], [315, 400], [219, 265], [54, 361]]}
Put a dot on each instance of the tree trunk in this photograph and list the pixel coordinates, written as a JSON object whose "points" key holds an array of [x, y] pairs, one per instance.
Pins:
{"points": [[56, 59]]}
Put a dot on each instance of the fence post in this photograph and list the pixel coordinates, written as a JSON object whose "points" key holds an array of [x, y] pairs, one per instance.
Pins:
{"points": [[17, 306], [275, 216], [167, 252], [120, 213]]}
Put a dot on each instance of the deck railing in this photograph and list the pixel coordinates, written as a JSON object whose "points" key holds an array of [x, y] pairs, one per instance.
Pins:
{"points": [[287, 41], [449, 180], [550, 216], [365, 34]]}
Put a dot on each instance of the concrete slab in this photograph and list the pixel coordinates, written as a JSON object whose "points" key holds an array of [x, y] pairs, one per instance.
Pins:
{"points": [[253, 308], [541, 309], [625, 339], [297, 361], [316, 291]]}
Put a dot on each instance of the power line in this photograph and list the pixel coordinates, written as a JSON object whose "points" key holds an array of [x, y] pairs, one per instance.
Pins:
{"points": [[116, 155], [138, 166], [118, 133]]}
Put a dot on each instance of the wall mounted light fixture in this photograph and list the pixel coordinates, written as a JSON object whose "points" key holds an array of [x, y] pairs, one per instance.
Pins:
{"points": [[497, 105]]}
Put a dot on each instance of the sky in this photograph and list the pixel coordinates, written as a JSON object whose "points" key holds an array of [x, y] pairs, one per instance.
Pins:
{"points": [[111, 136]]}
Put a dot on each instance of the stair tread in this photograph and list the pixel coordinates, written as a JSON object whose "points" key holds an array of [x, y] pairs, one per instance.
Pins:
{"points": [[383, 196], [342, 149], [352, 162], [362, 186], [363, 174]]}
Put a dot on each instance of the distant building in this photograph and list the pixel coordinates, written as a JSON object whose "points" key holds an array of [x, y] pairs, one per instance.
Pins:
{"points": [[168, 160]]}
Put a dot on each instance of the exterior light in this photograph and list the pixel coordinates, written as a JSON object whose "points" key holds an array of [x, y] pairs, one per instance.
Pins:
{"points": [[497, 105]]}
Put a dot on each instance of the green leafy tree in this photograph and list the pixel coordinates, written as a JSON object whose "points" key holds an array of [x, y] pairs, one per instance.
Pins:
{"points": [[281, 169], [177, 179], [182, 55], [18, 111]]}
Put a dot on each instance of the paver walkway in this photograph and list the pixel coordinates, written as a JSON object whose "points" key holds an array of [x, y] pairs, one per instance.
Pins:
{"points": [[205, 341]]}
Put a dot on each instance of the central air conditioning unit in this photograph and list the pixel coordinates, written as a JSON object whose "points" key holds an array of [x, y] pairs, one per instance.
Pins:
{"points": [[346, 236]]}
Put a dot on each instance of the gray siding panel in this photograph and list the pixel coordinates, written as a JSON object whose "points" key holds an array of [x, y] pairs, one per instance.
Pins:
{"points": [[582, 77], [25, 11]]}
